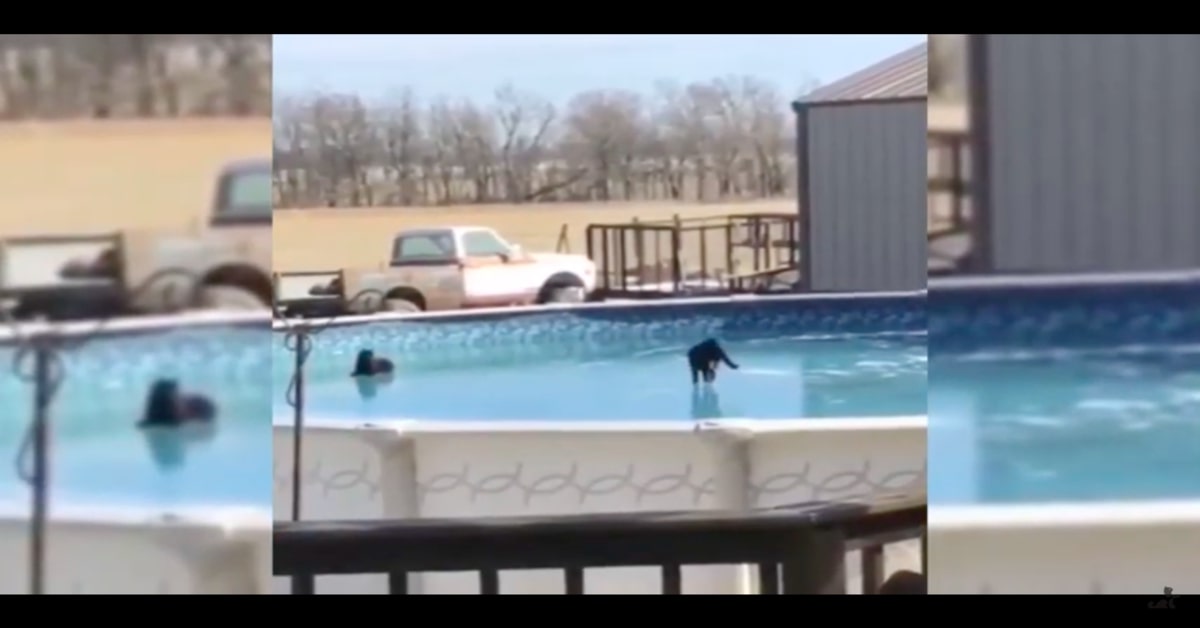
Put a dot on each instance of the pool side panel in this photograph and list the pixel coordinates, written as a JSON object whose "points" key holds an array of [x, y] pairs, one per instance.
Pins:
{"points": [[410, 469], [211, 551], [1111, 548]]}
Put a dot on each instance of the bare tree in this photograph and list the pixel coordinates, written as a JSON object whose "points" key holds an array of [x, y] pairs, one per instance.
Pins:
{"points": [[729, 138], [399, 126], [114, 75], [524, 121]]}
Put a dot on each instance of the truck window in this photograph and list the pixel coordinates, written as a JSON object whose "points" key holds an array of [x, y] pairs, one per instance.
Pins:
{"points": [[483, 244], [244, 196], [424, 247]]}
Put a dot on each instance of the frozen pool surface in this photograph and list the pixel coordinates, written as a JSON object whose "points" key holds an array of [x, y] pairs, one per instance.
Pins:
{"points": [[1065, 426], [881, 375], [99, 455]]}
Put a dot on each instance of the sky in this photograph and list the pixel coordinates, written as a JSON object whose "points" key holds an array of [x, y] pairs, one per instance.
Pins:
{"points": [[559, 66]]}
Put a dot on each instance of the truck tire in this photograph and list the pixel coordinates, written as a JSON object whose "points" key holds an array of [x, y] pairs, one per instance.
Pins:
{"points": [[565, 294], [229, 298], [400, 305]]}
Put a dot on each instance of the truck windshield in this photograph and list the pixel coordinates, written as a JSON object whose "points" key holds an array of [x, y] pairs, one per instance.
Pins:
{"points": [[244, 196]]}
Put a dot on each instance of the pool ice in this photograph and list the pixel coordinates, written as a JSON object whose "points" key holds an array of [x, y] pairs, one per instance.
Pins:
{"points": [[881, 375], [1066, 426], [99, 456]]}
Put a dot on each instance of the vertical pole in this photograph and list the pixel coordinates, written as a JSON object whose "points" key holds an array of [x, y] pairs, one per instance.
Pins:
{"points": [[804, 194], [41, 467], [302, 341], [729, 244], [639, 248], [676, 268], [816, 565], [300, 585], [979, 134]]}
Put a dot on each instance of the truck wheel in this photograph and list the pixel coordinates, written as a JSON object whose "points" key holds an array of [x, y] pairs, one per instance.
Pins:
{"points": [[565, 294], [229, 298], [400, 305]]}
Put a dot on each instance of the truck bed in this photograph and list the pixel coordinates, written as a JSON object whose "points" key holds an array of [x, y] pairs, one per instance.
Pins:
{"points": [[32, 264]]}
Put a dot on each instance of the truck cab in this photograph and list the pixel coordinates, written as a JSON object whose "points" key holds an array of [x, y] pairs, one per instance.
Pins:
{"points": [[226, 258], [442, 268]]}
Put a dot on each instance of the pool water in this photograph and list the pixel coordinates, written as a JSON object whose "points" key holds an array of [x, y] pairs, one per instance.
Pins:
{"points": [[791, 377], [99, 455], [1065, 426]]}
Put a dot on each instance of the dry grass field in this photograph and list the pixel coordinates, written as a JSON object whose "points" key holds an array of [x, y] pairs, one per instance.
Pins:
{"points": [[322, 239], [95, 176]]}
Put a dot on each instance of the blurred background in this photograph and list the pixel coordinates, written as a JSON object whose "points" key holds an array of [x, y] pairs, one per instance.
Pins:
{"points": [[1063, 153], [101, 132]]}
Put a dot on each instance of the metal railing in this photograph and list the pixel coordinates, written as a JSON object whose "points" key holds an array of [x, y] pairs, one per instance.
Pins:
{"points": [[798, 549]]}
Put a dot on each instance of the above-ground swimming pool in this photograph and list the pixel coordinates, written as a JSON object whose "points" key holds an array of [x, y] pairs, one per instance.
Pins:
{"points": [[590, 409], [605, 363], [1063, 434], [1064, 393], [99, 456]]}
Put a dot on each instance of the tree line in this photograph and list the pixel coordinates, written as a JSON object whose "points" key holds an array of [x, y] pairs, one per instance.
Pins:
{"points": [[723, 139], [134, 76]]}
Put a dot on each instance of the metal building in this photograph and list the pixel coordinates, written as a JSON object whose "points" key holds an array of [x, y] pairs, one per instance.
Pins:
{"points": [[1087, 152], [861, 178]]}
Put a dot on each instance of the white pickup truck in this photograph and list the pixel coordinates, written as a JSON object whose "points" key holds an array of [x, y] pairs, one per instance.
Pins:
{"points": [[447, 268], [151, 272]]}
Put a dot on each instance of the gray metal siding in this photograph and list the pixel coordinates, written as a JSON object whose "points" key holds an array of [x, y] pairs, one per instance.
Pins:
{"points": [[1095, 152], [867, 196]]}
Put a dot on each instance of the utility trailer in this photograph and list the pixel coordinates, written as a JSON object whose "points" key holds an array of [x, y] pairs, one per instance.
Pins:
{"points": [[731, 254]]}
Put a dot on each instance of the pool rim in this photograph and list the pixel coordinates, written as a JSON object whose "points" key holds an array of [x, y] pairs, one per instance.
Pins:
{"points": [[402, 427], [1064, 514], [291, 324], [231, 519], [1011, 281], [13, 334]]}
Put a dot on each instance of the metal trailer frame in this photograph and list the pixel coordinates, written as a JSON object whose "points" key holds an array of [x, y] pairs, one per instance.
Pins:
{"points": [[772, 239]]}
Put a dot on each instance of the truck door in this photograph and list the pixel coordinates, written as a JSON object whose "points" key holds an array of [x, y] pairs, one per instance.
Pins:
{"points": [[428, 263], [491, 276]]}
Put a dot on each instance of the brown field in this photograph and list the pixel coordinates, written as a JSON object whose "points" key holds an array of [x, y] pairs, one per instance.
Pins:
{"points": [[322, 239], [95, 176]]}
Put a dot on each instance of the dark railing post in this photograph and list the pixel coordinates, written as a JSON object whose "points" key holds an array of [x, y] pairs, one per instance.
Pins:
{"points": [[817, 564], [676, 266], [302, 584]]}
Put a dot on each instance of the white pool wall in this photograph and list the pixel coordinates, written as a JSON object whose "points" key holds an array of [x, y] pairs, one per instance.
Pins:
{"points": [[408, 469], [1068, 548], [107, 549]]}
